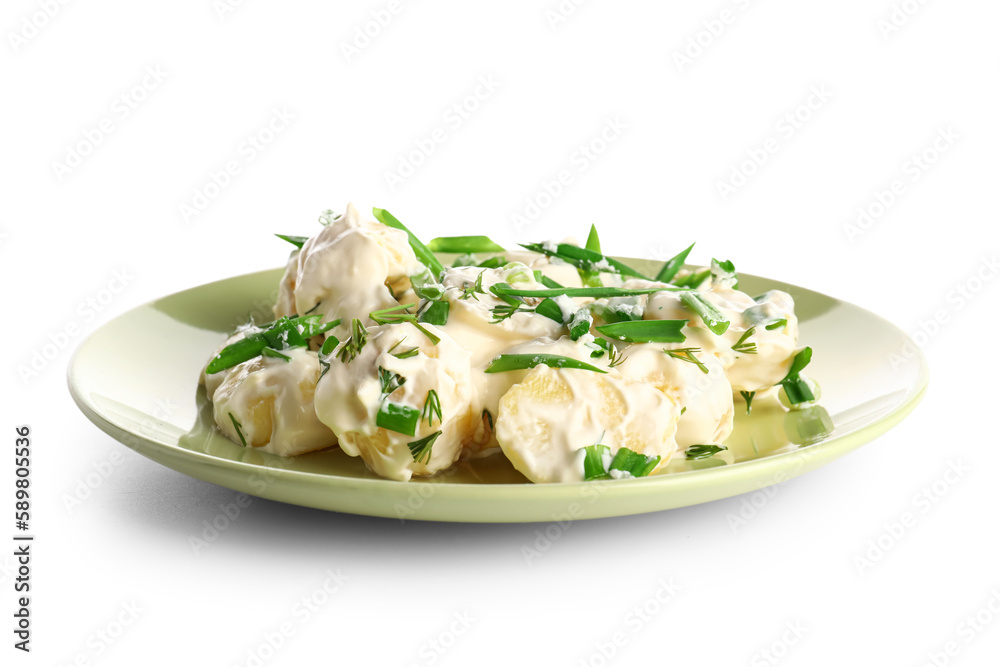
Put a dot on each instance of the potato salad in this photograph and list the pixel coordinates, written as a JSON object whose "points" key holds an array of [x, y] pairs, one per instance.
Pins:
{"points": [[571, 364]]}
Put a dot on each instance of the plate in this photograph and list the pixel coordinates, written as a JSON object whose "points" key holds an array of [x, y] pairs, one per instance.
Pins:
{"points": [[136, 379]]}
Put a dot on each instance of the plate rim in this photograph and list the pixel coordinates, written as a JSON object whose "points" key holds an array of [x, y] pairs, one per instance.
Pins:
{"points": [[657, 486]]}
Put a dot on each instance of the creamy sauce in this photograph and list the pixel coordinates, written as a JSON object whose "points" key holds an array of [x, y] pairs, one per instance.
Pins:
{"points": [[656, 399]]}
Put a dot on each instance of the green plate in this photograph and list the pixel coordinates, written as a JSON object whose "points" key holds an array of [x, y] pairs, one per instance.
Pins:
{"points": [[136, 378]]}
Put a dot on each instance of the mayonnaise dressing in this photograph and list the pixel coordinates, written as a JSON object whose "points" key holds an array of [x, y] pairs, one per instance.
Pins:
{"points": [[344, 270], [349, 395], [272, 400], [544, 421]]}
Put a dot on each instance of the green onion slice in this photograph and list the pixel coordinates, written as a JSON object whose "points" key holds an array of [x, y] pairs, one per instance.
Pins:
{"points": [[519, 362], [796, 388], [274, 354], [434, 312], [279, 334], [645, 331], [702, 451], [634, 463], [673, 265], [710, 315], [582, 258], [297, 241], [463, 244], [581, 323], [503, 290], [692, 280], [593, 462], [397, 417], [422, 252], [593, 240]]}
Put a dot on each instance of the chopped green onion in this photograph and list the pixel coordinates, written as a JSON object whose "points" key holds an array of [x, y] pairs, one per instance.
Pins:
{"points": [[493, 263], [463, 244], [724, 270], [582, 258], [297, 241], [426, 287], [422, 252], [777, 324], [673, 265], [420, 450], [329, 345], [397, 417], [604, 345], [692, 280], [518, 362], [612, 313], [748, 397], [743, 346], [710, 315], [581, 323], [353, 346], [545, 280], [593, 240], [277, 335], [550, 309], [239, 429], [497, 291], [274, 354], [702, 451], [796, 388], [432, 408], [687, 354], [633, 463], [504, 290], [434, 312], [593, 462], [645, 331]]}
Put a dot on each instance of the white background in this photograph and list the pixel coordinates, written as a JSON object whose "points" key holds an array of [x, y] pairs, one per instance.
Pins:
{"points": [[888, 90]]}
